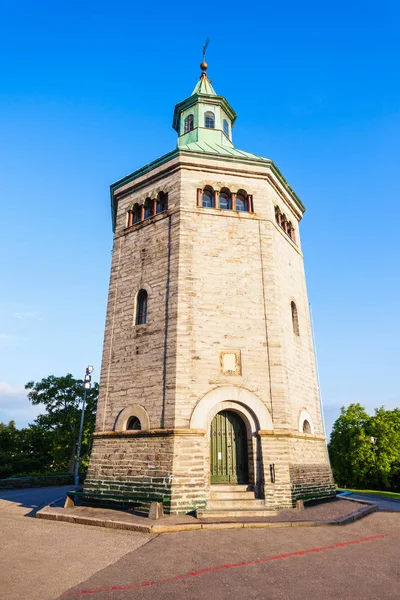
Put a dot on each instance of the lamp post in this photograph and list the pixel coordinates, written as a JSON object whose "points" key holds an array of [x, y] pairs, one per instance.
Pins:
{"points": [[373, 441], [86, 386]]}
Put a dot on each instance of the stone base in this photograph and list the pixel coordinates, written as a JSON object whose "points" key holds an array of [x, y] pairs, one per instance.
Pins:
{"points": [[173, 464], [160, 463]]}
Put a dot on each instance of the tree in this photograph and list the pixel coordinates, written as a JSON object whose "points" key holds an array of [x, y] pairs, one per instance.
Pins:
{"points": [[350, 448], [385, 427], [356, 461], [62, 398]]}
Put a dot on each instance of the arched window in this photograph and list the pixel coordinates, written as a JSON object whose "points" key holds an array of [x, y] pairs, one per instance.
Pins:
{"points": [[306, 427], [133, 424], [136, 213], [162, 202], [209, 120], [148, 208], [207, 200], [226, 127], [141, 308], [241, 203], [295, 318], [225, 199], [189, 123], [278, 216]]}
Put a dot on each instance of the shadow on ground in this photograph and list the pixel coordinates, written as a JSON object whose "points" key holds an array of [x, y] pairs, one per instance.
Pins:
{"points": [[33, 499]]}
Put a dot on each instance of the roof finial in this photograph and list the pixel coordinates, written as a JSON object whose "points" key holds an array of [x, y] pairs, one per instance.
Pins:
{"points": [[204, 65]]}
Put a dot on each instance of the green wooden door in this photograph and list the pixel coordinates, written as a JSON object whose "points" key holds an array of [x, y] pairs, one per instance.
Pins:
{"points": [[228, 452]]}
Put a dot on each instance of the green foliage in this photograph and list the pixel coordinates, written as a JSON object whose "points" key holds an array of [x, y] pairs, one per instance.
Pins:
{"points": [[49, 444], [356, 462]]}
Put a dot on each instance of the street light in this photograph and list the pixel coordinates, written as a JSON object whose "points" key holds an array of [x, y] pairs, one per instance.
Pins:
{"points": [[86, 386], [373, 441]]}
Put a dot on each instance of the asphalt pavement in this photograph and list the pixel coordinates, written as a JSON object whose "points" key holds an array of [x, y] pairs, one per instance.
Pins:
{"points": [[39, 560], [49, 560]]}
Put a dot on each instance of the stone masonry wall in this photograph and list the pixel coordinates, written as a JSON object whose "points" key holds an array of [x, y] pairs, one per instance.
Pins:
{"points": [[159, 464], [299, 465], [131, 464], [311, 482], [138, 364]]}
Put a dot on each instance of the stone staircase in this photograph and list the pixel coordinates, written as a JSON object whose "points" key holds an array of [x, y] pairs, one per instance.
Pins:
{"points": [[233, 501]]}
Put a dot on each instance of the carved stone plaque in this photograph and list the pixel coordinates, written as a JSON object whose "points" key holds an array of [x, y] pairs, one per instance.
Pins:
{"points": [[230, 362]]}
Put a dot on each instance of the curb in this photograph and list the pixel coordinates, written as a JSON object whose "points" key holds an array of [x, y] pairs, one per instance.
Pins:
{"points": [[47, 513]]}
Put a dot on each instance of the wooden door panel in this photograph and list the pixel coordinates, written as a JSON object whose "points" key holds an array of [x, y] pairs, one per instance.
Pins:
{"points": [[228, 451]]}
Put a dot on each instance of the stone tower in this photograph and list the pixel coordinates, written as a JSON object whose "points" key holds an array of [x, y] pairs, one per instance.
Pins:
{"points": [[208, 375]]}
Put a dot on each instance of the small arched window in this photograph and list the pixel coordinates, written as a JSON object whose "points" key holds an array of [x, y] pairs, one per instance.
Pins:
{"points": [[141, 308], [225, 199], [136, 213], [209, 120], [207, 200], [133, 424], [241, 203], [189, 123], [306, 427], [226, 127], [148, 208], [162, 202], [295, 318]]}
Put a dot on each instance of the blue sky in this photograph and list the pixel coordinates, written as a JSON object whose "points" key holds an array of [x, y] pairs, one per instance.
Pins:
{"points": [[87, 92]]}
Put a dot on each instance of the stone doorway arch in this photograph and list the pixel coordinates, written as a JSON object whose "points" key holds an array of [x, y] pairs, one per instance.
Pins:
{"points": [[251, 410]]}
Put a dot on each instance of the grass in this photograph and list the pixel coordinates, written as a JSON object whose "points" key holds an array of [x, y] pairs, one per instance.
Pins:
{"points": [[389, 495]]}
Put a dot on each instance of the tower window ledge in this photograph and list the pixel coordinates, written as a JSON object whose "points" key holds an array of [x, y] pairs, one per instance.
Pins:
{"points": [[140, 224], [228, 212], [286, 236]]}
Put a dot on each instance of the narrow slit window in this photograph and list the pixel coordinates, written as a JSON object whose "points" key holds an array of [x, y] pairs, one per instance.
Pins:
{"points": [[295, 318], [141, 308], [306, 427]]}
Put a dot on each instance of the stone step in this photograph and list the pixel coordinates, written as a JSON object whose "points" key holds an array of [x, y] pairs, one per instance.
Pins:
{"points": [[235, 495], [242, 513], [235, 504], [226, 487]]}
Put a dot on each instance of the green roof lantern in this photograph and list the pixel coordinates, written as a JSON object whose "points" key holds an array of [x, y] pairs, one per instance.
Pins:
{"points": [[204, 116]]}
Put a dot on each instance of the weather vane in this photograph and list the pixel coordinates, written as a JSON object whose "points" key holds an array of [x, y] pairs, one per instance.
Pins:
{"points": [[204, 65]]}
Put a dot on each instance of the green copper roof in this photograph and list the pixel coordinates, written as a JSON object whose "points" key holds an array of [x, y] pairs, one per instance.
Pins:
{"points": [[204, 86], [212, 148]]}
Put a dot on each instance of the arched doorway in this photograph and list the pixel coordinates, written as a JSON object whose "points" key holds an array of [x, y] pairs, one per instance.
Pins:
{"points": [[228, 449]]}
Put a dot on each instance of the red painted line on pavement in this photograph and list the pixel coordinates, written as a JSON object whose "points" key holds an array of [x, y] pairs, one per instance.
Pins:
{"points": [[122, 588]]}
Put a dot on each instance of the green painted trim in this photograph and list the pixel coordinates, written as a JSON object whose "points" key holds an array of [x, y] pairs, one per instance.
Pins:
{"points": [[287, 187], [202, 99]]}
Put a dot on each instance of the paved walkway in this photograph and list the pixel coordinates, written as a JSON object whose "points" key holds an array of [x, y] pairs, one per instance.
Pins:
{"points": [[45, 560], [358, 561], [41, 559], [383, 503]]}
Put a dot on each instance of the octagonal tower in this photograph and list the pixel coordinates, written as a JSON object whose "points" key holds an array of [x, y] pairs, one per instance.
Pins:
{"points": [[208, 388]]}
